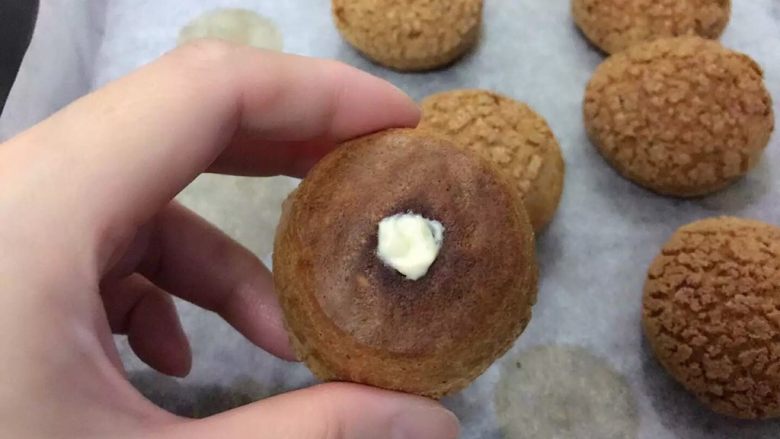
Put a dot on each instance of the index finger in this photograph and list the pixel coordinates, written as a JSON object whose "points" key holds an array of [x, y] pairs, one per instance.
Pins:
{"points": [[123, 152]]}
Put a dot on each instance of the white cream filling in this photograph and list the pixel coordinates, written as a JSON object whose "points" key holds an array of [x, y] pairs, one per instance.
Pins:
{"points": [[409, 243]]}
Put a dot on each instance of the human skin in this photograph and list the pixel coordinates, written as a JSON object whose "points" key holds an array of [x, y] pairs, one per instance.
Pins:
{"points": [[92, 243]]}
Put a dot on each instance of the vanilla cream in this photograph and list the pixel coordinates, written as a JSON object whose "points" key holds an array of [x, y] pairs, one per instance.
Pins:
{"points": [[409, 243]]}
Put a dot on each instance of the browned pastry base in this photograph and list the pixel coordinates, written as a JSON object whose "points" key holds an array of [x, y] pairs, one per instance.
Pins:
{"points": [[616, 25], [410, 35], [680, 116], [712, 314], [510, 135], [351, 318]]}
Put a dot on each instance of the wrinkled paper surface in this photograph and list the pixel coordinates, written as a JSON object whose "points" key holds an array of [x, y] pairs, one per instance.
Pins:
{"points": [[593, 257]]}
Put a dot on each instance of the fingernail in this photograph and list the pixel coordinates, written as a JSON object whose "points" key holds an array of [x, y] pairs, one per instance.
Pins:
{"points": [[427, 421]]}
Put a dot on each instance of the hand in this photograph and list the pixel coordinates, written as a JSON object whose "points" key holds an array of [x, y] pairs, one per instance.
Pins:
{"points": [[91, 243]]}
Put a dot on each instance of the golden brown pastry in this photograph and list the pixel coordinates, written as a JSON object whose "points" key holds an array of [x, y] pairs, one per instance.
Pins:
{"points": [[615, 25], [510, 135], [410, 35], [351, 317], [712, 314], [680, 116]]}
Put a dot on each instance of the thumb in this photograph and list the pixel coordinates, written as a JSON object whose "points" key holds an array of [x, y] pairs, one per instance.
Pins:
{"points": [[330, 411]]}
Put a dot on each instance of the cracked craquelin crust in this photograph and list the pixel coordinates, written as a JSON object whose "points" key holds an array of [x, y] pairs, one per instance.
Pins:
{"points": [[680, 116], [410, 35], [712, 314], [615, 25], [351, 318], [510, 135]]}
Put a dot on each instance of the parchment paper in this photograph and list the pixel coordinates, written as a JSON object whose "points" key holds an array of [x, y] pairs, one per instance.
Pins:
{"points": [[593, 257]]}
